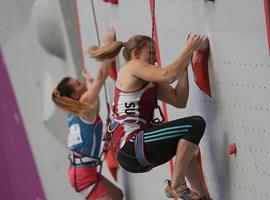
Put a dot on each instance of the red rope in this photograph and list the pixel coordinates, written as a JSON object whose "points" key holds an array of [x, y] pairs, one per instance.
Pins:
{"points": [[155, 37], [267, 18]]}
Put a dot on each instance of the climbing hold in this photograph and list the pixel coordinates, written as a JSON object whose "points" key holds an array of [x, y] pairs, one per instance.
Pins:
{"points": [[113, 71], [200, 67], [232, 149], [111, 1]]}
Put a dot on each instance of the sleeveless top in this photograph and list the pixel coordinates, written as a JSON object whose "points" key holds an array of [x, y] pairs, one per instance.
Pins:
{"points": [[139, 104], [84, 137]]}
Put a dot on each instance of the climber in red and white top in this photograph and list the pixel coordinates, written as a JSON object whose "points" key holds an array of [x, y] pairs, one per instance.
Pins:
{"points": [[142, 140]]}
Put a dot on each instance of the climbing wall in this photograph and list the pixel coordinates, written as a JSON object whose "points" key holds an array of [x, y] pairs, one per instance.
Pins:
{"points": [[41, 42], [107, 15], [237, 112]]}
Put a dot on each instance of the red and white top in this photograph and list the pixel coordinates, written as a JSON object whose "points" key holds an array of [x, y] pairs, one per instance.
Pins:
{"points": [[140, 103]]}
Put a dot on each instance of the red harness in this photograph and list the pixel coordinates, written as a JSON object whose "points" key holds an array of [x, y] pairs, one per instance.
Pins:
{"points": [[117, 129]]}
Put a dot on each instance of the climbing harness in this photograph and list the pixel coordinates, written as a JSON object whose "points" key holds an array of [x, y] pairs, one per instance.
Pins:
{"points": [[139, 151], [139, 137], [76, 160], [157, 121]]}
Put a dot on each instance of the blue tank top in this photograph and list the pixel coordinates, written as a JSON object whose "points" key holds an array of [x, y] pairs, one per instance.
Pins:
{"points": [[84, 137]]}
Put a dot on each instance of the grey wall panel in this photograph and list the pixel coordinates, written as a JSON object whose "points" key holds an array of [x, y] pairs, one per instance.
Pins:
{"points": [[34, 73], [14, 16]]}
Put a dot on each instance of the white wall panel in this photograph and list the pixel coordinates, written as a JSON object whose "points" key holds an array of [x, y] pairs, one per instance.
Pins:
{"points": [[239, 68]]}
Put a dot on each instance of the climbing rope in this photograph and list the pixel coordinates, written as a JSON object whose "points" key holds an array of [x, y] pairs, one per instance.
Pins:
{"points": [[153, 30], [98, 39], [95, 20], [100, 159]]}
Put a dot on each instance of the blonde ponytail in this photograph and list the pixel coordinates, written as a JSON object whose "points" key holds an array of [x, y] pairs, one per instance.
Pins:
{"points": [[68, 104], [108, 51], [111, 50]]}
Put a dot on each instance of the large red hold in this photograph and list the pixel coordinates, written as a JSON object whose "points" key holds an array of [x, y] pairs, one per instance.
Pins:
{"points": [[200, 67], [111, 1]]}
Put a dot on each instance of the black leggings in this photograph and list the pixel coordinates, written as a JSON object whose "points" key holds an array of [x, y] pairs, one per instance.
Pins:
{"points": [[160, 142]]}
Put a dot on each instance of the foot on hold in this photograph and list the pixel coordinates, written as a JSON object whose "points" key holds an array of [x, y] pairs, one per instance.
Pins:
{"points": [[169, 191], [186, 194]]}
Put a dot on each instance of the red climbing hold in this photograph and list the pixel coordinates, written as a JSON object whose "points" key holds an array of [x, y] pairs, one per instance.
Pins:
{"points": [[232, 149], [113, 71], [200, 67], [111, 1]]}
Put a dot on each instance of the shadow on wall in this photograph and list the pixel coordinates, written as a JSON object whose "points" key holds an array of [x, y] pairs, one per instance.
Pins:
{"points": [[56, 124], [126, 184], [217, 140], [49, 29]]}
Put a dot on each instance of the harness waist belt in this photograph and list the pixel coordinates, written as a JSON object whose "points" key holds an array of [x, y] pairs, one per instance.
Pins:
{"points": [[124, 119], [74, 159], [129, 119]]}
